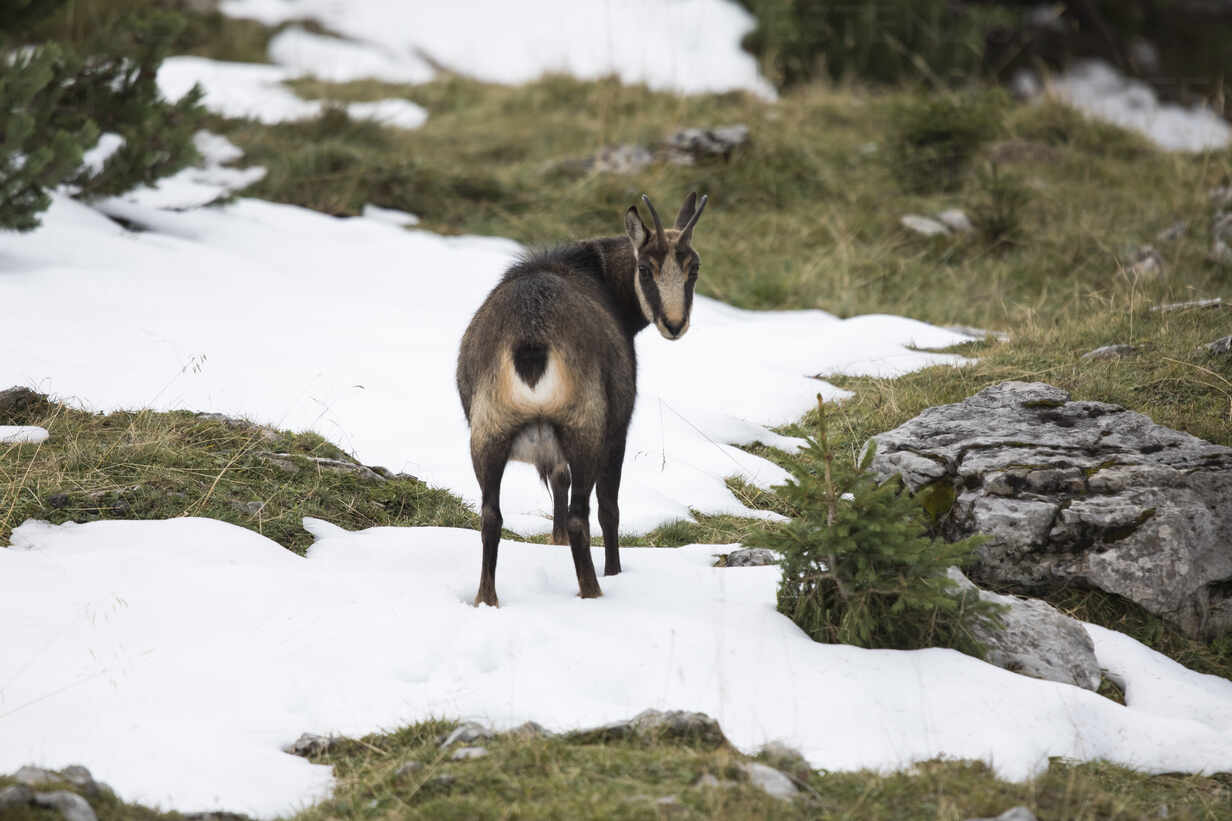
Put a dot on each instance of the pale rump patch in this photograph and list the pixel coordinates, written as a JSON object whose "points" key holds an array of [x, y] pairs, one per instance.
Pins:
{"points": [[550, 393]]}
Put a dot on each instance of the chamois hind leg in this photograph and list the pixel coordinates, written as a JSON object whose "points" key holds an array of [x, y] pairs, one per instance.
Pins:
{"points": [[582, 470], [606, 490], [559, 480], [489, 459]]}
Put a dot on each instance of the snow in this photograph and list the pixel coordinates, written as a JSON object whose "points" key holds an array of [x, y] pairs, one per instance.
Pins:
{"points": [[193, 186], [108, 144], [339, 61], [389, 215], [174, 658], [350, 327], [21, 434], [688, 46], [1097, 89], [257, 91]]}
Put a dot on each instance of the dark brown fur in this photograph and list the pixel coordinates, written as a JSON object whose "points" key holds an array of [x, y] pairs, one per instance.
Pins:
{"points": [[547, 373]]}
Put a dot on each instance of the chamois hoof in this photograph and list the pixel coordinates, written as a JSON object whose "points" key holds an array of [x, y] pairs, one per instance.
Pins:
{"points": [[490, 600], [561, 538], [590, 594]]}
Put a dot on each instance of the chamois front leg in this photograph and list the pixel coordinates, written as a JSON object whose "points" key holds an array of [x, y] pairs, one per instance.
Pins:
{"points": [[489, 461]]}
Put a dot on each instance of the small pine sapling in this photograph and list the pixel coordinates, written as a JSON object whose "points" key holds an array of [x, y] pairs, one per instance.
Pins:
{"points": [[859, 566]]}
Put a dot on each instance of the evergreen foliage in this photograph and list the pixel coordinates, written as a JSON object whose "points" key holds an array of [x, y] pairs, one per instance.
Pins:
{"points": [[884, 42], [859, 567], [933, 138], [57, 102]]}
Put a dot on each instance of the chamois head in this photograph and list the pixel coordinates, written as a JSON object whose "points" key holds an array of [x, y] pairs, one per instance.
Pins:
{"points": [[667, 265]]}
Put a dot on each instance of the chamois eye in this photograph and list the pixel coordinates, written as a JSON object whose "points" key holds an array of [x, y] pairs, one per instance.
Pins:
{"points": [[644, 269]]}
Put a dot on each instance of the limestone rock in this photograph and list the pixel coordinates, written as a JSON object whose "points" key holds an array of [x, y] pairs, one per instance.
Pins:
{"points": [[1111, 352], [1037, 640], [956, 220], [468, 753], [1147, 262], [650, 725], [72, 806], [1018, 813], [770, 780], [751, 557], [16, 795], [925, 226], [1082, 494], [1221, 346], [409, 769], [467, 733], [310, 744]]}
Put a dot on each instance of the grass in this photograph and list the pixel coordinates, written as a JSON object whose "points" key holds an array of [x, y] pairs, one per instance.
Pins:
{"points": [[147, 465], [805, 216], [561, 777]]}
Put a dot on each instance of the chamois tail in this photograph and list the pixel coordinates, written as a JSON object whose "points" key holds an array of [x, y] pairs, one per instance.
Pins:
{"points": [[530, 360]]}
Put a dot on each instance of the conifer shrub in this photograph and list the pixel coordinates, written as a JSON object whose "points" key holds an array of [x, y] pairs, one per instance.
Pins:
{"points": [[57, 101], [859, 566], [1000, 200], [884, 42], [933, 138]]}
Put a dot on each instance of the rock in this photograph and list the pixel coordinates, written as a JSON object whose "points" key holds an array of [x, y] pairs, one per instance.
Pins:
{"points": [[249, 508], [1013, 814], [751, 557], [689, 146], [310, 744], [786, 758], [1037, 640], [409, 769], [57, 500], [1169, 307], [1078, 494], [707, 781], [622, 159], [1173, 232], [956, 220], [16, 795], [692, 145], [22, 406], [1221, 238], [72, 806], [468, 753], [1111, 352], [770, 780], [924, 225], [282, 463], [466, 733], [1221, 346], [1147, 262], [81, 778], [530, 729], [650, 725], [36, 776]]}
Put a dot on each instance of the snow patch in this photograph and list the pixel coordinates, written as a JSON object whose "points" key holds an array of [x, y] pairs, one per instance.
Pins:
{"points": [[688, 46], [174, 659], [257, 91], [108, 144], [339, 61], [21, 434], [1097, 89]]}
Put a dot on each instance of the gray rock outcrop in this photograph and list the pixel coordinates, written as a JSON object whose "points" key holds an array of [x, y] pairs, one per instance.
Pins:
{"points": [[650, 725], [1037, 640], [1081, 494]]}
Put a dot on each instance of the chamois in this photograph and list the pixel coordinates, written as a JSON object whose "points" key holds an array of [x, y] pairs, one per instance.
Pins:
{"points": [[547, 374]]}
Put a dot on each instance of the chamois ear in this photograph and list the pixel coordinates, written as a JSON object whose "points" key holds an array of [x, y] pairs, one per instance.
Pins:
{"points": [[686, 233], [686, 211], [635, 228]]}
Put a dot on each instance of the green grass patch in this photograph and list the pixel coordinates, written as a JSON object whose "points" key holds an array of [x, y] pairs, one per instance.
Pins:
{"points": [[406, 775], [148, 465]]}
